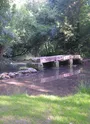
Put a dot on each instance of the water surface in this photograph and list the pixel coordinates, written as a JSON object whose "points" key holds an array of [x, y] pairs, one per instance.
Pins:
{"points": [[63, 81]]}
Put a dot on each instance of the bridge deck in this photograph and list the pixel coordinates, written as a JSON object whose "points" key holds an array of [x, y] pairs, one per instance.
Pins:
{"points": [[55, 58]]}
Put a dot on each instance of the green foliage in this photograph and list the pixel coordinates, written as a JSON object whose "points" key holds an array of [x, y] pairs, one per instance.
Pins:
{"points": [[62, 26], [5, 17]]}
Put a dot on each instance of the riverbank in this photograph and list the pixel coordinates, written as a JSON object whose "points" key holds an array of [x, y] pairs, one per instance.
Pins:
{"points": [[59, 104], [24, 72]]}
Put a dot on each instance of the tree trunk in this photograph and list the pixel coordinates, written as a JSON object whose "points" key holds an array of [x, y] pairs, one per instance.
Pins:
{"points": [[1, 50]]}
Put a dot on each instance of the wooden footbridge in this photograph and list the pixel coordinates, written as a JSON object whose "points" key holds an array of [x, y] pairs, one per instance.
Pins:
{"points": [[39, 62]]}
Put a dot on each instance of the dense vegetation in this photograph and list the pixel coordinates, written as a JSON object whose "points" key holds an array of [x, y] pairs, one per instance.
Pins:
{"points": [[46, 27]]}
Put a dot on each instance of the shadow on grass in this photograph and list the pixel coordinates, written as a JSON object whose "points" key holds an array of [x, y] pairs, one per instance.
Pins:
{"points": [[24, 109]]}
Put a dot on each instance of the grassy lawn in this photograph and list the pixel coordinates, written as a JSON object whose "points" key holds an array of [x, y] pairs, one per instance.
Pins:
{"points": [[24, 109]]}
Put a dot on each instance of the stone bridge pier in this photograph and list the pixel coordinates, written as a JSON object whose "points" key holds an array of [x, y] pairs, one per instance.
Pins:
{"points": [[41, 62]]}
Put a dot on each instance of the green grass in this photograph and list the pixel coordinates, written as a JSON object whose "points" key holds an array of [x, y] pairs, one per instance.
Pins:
{"points": [[24, 109]]}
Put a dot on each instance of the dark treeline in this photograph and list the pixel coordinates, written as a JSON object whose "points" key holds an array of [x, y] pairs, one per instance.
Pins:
{"points": [[47, 27]]}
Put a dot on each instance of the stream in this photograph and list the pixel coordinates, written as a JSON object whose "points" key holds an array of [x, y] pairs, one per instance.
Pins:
{"points": [[60, 82]]}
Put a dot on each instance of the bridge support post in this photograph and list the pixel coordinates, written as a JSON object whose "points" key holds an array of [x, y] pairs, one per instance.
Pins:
{"points": [[71, 63], [40, 67], [56, 64]]}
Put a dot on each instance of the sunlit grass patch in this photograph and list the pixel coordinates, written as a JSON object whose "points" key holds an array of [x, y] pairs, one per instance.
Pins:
{"points": [[24, 109]]}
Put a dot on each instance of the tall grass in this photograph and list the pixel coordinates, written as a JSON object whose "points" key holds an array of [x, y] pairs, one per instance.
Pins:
{"points": [[84, 87]]}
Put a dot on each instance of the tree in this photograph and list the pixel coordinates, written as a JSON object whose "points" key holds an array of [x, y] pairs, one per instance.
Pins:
{"points": [[5, 30], [53, 27]]}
